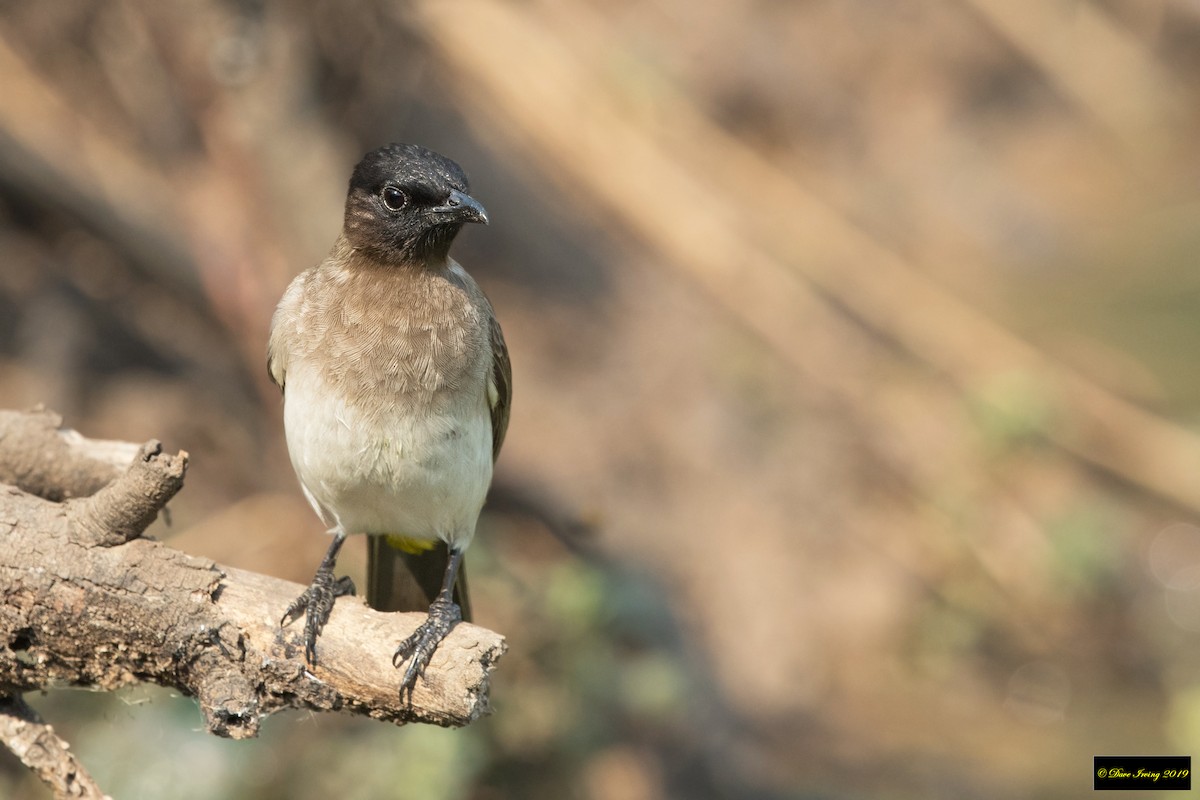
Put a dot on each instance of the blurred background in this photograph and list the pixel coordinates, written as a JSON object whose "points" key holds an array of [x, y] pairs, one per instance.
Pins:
{"points": [[854, 443]]}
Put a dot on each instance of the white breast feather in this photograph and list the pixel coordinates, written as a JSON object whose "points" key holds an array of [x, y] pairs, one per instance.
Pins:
{"points": [[422, 475]]}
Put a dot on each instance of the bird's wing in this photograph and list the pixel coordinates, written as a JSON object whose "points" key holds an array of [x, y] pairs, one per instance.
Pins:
{"points": [[499, 387], [283, 325], [276, 363]]}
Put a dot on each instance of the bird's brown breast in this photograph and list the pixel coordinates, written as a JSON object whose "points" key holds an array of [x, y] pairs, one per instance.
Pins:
{"points": [[385, 335]]}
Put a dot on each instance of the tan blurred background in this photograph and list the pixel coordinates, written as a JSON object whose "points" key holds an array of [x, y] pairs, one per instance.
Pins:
{"points": [[853, 450]]}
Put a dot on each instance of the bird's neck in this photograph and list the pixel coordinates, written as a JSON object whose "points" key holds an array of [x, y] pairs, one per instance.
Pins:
{"points": [[434, 261]]}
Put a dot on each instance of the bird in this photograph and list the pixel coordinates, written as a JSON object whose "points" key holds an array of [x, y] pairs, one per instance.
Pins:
{"points": [[396, 385]]}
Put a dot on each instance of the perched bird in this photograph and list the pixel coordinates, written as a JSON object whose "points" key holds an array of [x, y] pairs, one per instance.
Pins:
{"points": [[396, 384]]}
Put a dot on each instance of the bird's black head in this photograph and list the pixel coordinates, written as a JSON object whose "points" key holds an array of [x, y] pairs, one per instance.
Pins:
{"points": [[407, 203]]}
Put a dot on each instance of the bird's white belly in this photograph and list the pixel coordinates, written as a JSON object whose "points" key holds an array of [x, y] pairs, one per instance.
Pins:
{"points": [[421, 474]]}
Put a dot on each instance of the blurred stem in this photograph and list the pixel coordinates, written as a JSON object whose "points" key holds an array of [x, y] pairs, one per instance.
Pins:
{"points": [[38, 747]]}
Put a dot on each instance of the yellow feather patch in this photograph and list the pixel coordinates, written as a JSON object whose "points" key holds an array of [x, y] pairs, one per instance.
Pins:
{"points": [[410, 545]]}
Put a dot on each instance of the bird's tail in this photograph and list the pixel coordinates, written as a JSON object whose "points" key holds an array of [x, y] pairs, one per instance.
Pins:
{"points": [[405, 575]]}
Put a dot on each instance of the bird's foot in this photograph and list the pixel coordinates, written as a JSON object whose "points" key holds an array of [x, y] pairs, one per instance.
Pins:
{"points": [[316, 604], [419, 647]]}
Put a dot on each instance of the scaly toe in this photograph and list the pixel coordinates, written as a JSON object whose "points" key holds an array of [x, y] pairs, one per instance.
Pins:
{"points": [[420, 646], [316, 604]]}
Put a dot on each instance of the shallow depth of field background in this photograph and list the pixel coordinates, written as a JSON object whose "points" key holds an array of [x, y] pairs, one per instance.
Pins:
{"points": [[854, 445]]}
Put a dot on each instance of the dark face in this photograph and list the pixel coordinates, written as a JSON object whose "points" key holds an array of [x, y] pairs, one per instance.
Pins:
{"points": [[407, 203]]}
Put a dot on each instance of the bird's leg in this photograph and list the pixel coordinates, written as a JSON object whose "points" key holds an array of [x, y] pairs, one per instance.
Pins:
{"points": [[316, 603], [444, 614]]}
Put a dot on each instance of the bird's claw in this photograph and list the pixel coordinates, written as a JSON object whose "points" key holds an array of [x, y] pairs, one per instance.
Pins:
{"points": [[420, 646], [316, 604]]}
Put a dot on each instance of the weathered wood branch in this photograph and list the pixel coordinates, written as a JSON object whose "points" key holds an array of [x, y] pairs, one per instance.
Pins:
{"points": [[44, 459], [42, 750], [86, 601]]}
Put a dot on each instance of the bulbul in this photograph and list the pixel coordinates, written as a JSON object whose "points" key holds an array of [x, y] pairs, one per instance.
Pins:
{"points": [[396, 385]]}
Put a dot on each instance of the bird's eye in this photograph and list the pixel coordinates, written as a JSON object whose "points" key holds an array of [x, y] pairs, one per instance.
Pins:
{"points": [[393, 198]]}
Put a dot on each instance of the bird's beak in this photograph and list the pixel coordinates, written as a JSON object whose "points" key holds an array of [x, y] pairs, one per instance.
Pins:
{"points": [[461, 207]]}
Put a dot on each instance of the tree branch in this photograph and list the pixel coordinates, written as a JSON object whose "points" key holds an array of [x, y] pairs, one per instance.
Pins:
{"points": [[85, 601], [123, 509], [39, 456], [42, 750]]}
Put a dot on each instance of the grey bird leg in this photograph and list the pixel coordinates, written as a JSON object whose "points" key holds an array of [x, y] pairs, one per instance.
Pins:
{"points": [[444, 614], [316, 603]]}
